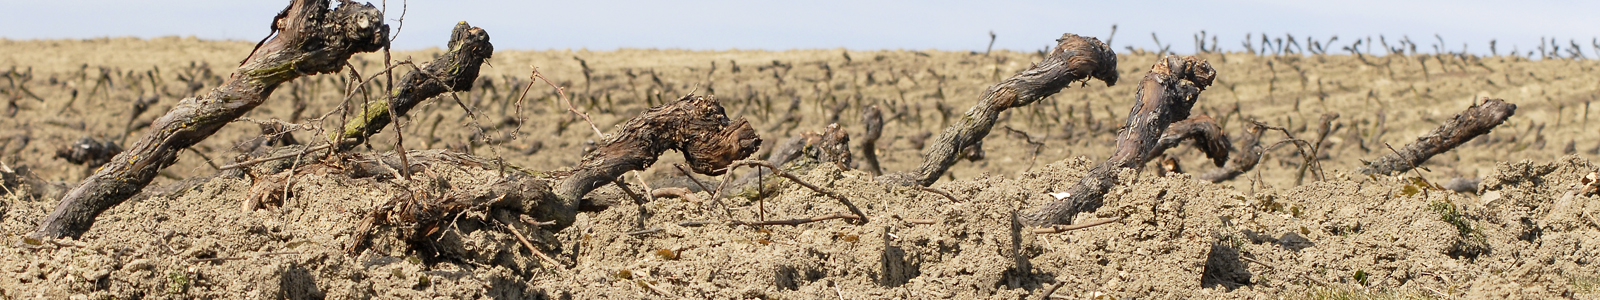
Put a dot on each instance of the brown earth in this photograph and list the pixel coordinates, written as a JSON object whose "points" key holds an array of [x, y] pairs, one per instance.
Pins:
{"points": [[1523, 233]]}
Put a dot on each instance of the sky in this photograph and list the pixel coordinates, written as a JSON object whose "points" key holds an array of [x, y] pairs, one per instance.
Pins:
{"points": [[852, 24]]}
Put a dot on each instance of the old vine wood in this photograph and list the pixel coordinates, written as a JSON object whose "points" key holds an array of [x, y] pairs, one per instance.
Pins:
{"points": [[1164, 96], [1476, 120], [1074, 59], [455, 70], [311, 39]]}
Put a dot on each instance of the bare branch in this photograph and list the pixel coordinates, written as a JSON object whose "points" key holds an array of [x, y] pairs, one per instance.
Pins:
{"points": [[693, 125], [1203, 130], [1476, 120], [312, 39], [1074, 59], [455, 70], [1165, 96]]}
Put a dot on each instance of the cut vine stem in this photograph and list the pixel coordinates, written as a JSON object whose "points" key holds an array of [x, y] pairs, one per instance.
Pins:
{"points": [[549, 262], [1476, 120]]}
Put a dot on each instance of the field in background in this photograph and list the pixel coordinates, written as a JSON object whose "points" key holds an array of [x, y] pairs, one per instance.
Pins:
{"points": [[1349, 236], [1381, 99]]}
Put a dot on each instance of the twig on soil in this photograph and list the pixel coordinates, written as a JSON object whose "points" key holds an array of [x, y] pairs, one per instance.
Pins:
{"points": [[1476, 120], [399, 131], [368, 108], [622, 184], [62, 243], [549, 262], [1066, 228], [861, 216], [1051, 290], [454, 71], [536, 223], [640, 177], [716, 195], [647, 231], [795, 222], [655, 289], [272, 158], [916, 221], [216, 259], [696, 181], [675, 192], [693, 223]]}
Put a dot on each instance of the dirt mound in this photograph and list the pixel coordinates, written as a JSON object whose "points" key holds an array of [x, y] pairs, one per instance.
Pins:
{"points": [[1180, 238]]}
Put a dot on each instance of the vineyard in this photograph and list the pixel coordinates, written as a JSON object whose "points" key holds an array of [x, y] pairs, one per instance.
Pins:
{"points": [[318, 164]]}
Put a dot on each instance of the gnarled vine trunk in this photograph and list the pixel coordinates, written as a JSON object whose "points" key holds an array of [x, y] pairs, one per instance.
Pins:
{"points": [[311, 39], [1074, 59], [1164, 96]]}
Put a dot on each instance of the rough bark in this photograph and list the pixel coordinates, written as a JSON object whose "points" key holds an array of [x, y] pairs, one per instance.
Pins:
{"points": [[1248, 154], [455, 70], [432, 209], [1164, 96], [694, 125], [1205, 132], [1476, 120], [311, 39], [830, 145], [1074, 59]]}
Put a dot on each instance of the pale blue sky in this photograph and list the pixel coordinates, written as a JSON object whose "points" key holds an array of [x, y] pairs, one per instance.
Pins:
{"points": [[853, 24]]}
